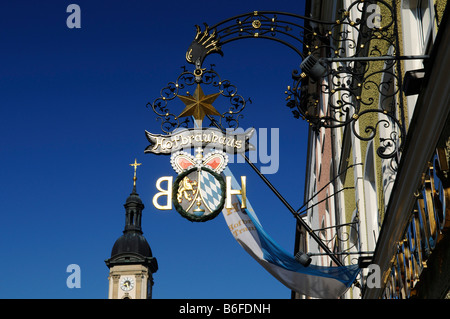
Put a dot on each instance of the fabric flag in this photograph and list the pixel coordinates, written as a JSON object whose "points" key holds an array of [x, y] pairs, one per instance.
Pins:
{"points": [[314, 281]]}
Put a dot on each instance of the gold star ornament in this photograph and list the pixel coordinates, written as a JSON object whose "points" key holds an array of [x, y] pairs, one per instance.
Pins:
{"points": [[199, 104]]}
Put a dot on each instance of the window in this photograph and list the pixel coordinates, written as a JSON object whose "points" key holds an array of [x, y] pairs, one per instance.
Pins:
{"points": [[424, 18], [370, 197], [418, 24], [418, 28]]}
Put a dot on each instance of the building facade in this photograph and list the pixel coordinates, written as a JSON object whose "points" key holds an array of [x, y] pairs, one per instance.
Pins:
{"points": [[377, 189]]}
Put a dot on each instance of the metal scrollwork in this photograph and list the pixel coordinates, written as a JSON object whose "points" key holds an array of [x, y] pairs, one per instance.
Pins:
{"points": [[170, 121], [349, 65], [368, 19], [346, 58], [345, 238], [380, 121], [359, 75]]}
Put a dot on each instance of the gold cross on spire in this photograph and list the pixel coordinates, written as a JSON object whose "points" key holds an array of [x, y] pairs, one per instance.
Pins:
{"points": [[135, 164]]}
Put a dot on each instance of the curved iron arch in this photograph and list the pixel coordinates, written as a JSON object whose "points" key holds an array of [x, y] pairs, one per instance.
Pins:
{"points": [[325, 44]]}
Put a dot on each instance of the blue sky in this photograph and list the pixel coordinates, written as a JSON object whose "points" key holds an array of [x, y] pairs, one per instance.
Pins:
{"points": [[72, 117]]}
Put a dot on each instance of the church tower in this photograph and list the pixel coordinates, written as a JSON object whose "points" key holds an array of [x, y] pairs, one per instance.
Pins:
{"points": [[132, 265]]}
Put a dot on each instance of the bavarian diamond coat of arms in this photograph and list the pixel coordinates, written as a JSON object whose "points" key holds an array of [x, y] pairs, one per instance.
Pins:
{"points": [[199, 191]]}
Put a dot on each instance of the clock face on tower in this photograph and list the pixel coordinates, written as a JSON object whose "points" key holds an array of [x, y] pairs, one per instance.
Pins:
{"points": [[126, 283]]}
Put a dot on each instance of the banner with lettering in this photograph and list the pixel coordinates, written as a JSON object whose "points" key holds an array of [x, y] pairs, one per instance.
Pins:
{"points": [[313, 281], [231, 141]]}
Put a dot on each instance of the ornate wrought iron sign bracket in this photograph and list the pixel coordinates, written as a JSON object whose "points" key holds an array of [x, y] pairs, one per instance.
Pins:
{"points": [[345, 59], [342, 59]]}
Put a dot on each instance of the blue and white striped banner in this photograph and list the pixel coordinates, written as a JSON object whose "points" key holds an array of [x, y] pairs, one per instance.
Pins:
{"points": [[314, 281]]}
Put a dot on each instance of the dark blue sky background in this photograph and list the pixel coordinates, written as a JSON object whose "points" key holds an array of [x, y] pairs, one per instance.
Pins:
{"points": [[72, 117]]}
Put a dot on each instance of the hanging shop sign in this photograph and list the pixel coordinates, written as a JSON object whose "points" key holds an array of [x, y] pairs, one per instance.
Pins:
{"points": [[199, 192]]}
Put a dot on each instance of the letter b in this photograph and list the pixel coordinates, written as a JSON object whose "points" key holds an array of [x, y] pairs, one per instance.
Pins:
{"points": [[163, 192]]}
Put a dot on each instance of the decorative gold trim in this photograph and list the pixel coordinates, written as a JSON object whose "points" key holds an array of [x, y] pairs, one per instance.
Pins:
{"points": [[256, 24], [135, 164]]}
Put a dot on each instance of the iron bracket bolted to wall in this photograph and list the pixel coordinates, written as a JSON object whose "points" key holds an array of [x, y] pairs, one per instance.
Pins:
{"points": [[342, 59]]}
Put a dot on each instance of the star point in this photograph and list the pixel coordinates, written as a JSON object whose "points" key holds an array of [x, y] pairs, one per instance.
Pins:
{"points": [[199, 105]]}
